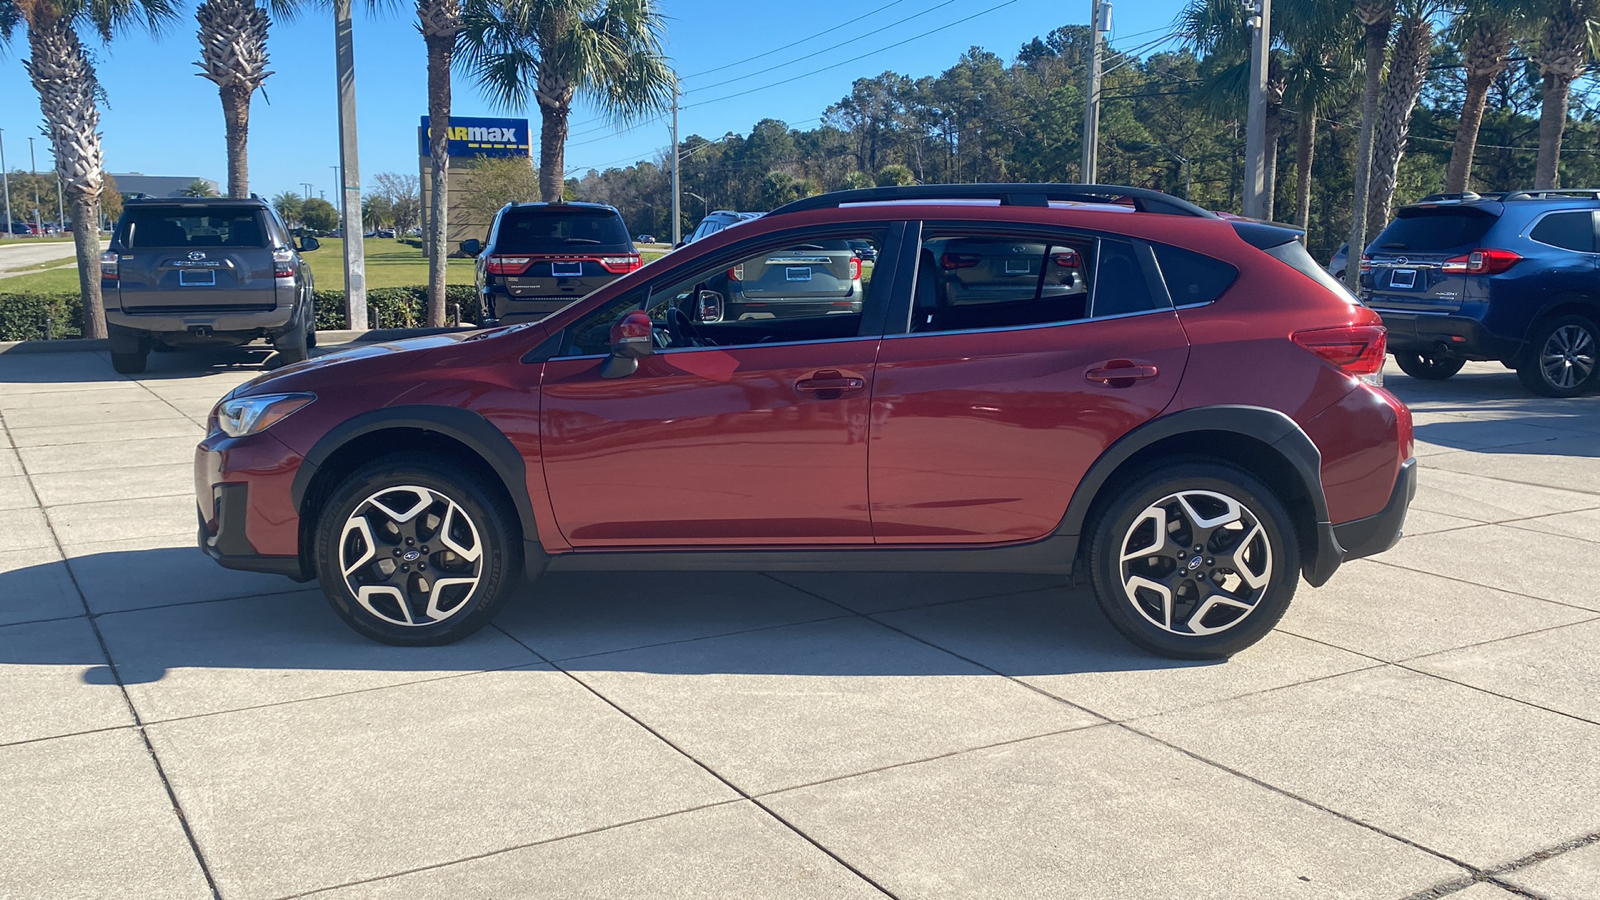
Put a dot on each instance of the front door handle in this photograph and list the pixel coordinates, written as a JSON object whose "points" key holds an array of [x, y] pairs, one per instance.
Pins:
{"points": [[830, 384], [1120, 373]]}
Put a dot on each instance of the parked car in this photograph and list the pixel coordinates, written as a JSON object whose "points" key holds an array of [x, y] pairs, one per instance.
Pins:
{"points": [[718, 221], [205, 272], [983, 269], [865, 251], [647, 239], [1197, 432], [1340, 260], [813, 278], [1509, 277], [539, 257]]}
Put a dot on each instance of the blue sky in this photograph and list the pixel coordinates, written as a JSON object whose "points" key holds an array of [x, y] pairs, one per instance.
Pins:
{"points": [[161, 118]]}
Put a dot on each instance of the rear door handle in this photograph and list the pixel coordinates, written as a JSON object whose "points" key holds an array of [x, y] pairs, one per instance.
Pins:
{"points": [[829, 384], [1121, 373]]}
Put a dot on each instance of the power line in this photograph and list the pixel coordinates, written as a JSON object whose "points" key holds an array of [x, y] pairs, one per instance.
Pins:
{"points": [[803, 40]]}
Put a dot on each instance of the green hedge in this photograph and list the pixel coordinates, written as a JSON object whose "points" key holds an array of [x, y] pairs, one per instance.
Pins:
{"points": [[23, 316]]}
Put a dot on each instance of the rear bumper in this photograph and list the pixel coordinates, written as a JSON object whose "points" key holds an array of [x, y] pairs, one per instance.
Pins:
{"points": [[1460, 335], [1377, 533], [211, 321]]}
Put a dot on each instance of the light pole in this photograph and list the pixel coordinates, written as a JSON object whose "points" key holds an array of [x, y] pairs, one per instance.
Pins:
{"points": [[307, 194], [1255, 136], [5, 177], [339, 198], [349, 187], [704, 210], [33, 169], [1099, 24], [677, 224]]}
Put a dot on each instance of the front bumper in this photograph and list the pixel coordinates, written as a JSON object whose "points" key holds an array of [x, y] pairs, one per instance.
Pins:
{"points": [[1459, 335], [248, 519], [1377, 533], [230, 546]]}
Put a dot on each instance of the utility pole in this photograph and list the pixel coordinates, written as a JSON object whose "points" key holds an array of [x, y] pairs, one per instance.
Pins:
{"points": [[677, 224], [1099, 24], [349, 187], [5, 176], [33, 169], [1255, 134]]}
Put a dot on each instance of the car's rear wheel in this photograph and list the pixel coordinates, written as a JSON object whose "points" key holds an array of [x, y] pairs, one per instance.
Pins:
{"points": [[413, 552], [1428, 366], [294, 345], [1196, 561], [129, 363], [1562, 357]]}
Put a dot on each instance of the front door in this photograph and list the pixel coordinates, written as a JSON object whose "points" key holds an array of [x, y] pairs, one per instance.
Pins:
{"points": [[749, 431]]}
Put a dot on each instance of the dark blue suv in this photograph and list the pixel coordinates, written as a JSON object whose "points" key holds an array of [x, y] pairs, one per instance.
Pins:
{"points": [[1512, 277]]}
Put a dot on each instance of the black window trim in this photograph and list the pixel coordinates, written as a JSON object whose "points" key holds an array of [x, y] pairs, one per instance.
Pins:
{"points": [[873, 314], [1029, 230]]}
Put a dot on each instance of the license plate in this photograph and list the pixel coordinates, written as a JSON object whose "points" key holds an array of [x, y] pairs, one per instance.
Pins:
{"points": [[797, 273], [197, 277], [1403, 278], [566, 269], [1016, 267]]}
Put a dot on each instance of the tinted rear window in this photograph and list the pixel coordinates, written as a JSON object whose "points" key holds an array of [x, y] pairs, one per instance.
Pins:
{"points": [[1294, 255], [1568, 230], [1193, 277], [544, 230], [210, 227], [1434, 230]]}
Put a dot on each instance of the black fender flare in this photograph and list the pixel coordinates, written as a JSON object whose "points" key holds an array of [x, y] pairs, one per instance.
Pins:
{"points": [[1269, 426], [462, 425]]}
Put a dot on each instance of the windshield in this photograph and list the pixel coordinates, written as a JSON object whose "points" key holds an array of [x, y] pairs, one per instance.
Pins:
{"points": [[212, 227], [1434, 230], [546, 230]]}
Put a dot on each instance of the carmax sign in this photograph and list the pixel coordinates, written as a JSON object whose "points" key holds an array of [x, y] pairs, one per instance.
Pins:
{"points": [[480, 137]]}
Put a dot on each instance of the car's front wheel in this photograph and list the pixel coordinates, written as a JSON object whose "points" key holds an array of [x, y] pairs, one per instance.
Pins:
{"points": [[1428, 366], [414, 552], [1196, 561], [1562, 358]]}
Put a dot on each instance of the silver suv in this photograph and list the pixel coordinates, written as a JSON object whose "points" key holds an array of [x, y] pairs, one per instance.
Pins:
{"points": [[205, 272]]}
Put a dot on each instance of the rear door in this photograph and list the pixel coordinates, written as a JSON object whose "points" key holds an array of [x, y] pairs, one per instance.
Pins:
{"points": [[194, 258], [1407, 271]]}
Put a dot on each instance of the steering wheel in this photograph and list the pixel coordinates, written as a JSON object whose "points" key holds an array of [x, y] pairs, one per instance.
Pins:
{"points": [[683, 329]]}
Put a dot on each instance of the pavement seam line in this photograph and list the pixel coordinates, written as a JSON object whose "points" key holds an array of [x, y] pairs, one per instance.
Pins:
{"points": [[690, 640], [1484, 643], [1495, 875], [138, 723], [709, 770], [1491, 587]]}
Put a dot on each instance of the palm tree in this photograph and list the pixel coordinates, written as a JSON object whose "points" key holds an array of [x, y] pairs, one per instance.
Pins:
{"points": [[440, 24], [1562, 53], [64, 76], [233, 55], [199, 188], [552, 50], [1408, 68], [1376, 18], [1319, 70], [1489, 28]]}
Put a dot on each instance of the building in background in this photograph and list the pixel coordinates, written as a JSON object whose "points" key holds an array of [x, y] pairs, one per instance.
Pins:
{"points": [[471, 140], [137, 185]]}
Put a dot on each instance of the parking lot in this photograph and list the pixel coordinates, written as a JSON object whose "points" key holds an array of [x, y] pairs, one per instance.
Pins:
{"points": [[1428, 724]]}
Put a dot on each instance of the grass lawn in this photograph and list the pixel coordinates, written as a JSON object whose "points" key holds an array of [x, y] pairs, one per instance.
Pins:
{"points": [[390, 263]]}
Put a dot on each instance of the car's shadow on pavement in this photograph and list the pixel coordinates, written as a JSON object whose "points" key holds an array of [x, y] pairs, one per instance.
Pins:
{"points": [[165, 609], [68, 369]]}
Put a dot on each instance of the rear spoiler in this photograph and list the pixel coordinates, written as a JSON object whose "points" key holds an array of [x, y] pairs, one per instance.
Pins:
{"points": [[1265, 235]]}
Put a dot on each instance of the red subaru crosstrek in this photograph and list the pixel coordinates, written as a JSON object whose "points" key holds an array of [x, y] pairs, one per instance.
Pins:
{"points": [[1038, 378]]}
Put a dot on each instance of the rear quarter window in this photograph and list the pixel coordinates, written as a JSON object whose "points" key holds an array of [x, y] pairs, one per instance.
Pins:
{"points": [[1193, 277], [1567, 230]]}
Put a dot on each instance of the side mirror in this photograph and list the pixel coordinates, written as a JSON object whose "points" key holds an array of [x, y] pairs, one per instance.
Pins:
{"points": [[708, 306], [632, 339], [308, 244], [682, 243], [472, 246]]}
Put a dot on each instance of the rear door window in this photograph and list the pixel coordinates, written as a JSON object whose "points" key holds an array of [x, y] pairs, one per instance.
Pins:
{"points": [[1567, 230], [1434, 230], [541, 230], [168, 228]]}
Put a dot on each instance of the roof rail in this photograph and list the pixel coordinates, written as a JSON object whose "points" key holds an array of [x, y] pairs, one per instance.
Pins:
{"points": [[1554, 193], [1144, 199]]}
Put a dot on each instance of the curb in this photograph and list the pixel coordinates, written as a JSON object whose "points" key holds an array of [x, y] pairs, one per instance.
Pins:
{"points": [[323, 338]]}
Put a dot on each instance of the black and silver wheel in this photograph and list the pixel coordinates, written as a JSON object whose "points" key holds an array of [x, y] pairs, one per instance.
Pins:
{"points": [[1562, 357], [411, 554], [1428, 365], [1198, 561]]}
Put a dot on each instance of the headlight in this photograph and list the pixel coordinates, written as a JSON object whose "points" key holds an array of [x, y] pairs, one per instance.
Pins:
{"points": [[239, 416]]}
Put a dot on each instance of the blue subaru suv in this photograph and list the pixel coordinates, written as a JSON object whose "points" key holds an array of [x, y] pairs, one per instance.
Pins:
{"points": [[1512, 277]]}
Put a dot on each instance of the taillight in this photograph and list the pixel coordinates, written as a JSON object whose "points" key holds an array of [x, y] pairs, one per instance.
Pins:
{"points": [[1066, 260], [1481, 262], [618, 265], [283, 263], [507, 265], [108, 266], [1356, 350], [1366, 264], [855, 268], [736, 273], [959, 260]]}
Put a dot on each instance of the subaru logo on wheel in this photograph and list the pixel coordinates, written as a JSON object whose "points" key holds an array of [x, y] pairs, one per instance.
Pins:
{"points": [[1194, 563], [196, 254], [411, 555]]}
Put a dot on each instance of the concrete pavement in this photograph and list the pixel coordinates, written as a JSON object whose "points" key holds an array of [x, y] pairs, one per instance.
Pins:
{"points": [[1426, 725]]}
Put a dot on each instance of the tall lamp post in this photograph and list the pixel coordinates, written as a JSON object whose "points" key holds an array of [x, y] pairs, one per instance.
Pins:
{"points": [[1255, 135], [5, 177], [355, 261], [33, 169], [704, 210]]}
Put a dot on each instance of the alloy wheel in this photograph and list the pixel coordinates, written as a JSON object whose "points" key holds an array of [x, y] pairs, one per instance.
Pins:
{"points": [[1568, 356], [1195, 563], [411, 556]]}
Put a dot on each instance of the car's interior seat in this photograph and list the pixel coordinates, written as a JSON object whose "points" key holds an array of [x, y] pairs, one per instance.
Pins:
{"points": [[244, 233]]}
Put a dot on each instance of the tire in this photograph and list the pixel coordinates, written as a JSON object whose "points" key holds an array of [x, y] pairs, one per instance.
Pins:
{"points": [[1193, 626], [1428, 366], [465, 516], [1562, 357], [129, 363]]}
